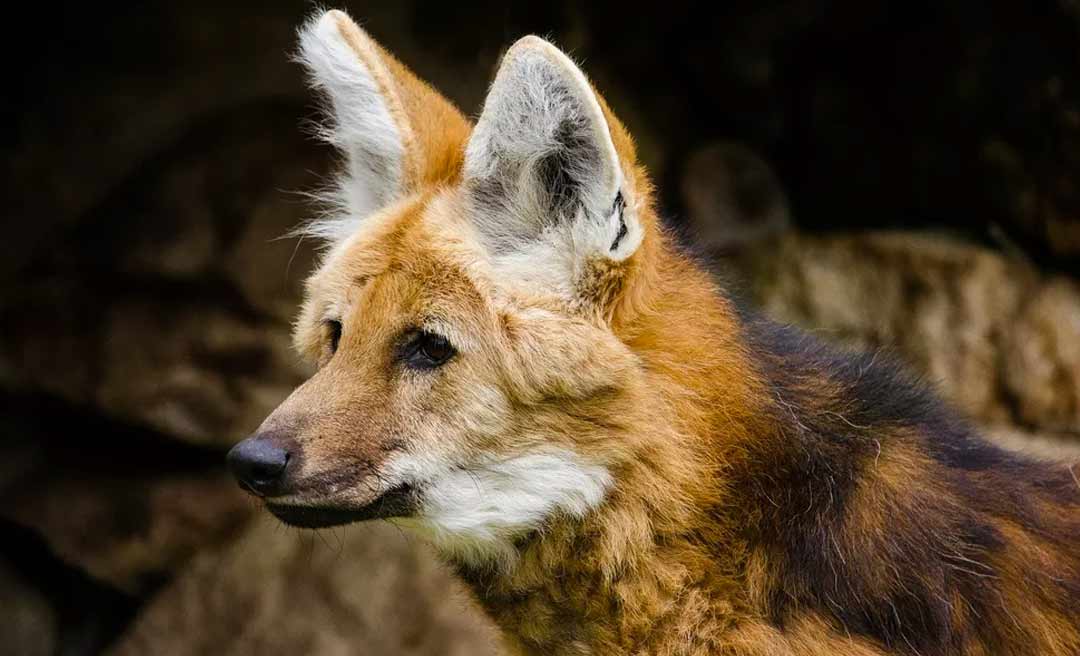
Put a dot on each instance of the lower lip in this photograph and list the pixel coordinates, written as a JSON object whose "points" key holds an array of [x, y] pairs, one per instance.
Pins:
{"points": [[398, 502]]}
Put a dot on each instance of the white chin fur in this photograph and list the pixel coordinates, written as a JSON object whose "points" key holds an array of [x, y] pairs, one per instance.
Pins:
{"points": [[473, 515]]}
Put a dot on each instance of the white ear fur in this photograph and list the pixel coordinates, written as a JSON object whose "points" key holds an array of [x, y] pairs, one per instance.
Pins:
{"points": [[541, 168], [365, 120]]}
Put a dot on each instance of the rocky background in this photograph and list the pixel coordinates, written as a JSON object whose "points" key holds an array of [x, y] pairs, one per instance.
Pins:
{"points": [[889, 174]]}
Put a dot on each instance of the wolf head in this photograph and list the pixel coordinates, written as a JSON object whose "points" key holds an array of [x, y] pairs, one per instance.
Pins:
{"points": [[473, 315]]}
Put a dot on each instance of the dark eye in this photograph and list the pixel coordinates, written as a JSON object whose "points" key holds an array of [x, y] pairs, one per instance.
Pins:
{"points": [[427, 351], [333, 333]]}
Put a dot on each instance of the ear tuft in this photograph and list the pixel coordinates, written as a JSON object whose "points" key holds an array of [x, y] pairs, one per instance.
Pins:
{"points": [[364, 118]]}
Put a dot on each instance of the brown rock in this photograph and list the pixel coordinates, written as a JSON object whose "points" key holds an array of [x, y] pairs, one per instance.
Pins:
{"points": [[1000, 339], [123, 507], [207, 376], [1042, 357], [172, 308], [135, 532], [203, 371], [28, 623], [360, 590]]}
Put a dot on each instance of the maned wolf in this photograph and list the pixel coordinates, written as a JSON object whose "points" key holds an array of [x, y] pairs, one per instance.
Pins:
{"points": [[516, 362]]}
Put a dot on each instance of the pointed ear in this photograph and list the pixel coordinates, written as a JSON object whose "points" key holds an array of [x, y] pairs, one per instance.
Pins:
{"points": [[396, 132], [542, 164]]}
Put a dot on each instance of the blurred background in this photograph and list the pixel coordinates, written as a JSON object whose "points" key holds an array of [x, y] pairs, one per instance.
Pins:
{"points": [[900, 174]]}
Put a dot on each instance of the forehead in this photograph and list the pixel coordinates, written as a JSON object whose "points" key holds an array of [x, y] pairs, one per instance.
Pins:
{"points": [[419, 252]]}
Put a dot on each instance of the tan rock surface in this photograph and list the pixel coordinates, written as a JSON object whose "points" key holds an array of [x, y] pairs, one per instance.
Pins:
{"points": [[360, 590], [1000, 339], [129, 512]]}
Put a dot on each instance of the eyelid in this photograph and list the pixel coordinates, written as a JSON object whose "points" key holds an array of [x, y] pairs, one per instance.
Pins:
{"points": [[442, 328], [431, 325]]}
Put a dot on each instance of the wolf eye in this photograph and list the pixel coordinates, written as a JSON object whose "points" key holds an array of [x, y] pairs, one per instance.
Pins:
{"points": [[427, 351], [333, 333]]}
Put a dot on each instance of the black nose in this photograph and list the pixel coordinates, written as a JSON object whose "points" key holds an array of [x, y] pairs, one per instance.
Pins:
{"points": [[259, 465]]}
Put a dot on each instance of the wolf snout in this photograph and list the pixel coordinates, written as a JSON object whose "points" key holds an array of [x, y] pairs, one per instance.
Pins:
{"points": [[259, 464]]}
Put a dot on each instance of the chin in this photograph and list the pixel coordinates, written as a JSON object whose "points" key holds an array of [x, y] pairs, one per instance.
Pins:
{"points": [[396, 503]]}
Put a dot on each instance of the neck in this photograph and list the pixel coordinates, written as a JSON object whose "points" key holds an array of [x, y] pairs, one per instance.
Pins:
{"points": [[775, 497], [608, 580]]}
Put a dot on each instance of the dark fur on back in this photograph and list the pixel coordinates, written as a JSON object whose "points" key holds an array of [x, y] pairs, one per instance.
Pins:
{"points": [[877, 506]]}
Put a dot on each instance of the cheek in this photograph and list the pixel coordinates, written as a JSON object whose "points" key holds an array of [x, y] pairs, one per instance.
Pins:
{"points": [[446, 425], [484, 413], [454, 410], [557, 358]]}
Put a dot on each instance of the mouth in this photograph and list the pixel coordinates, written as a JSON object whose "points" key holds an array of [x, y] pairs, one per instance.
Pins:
{"points": [[400, 501]]}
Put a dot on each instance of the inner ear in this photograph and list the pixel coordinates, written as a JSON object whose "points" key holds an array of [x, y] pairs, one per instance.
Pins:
{"points": [[541, 159], [563, 174]]}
